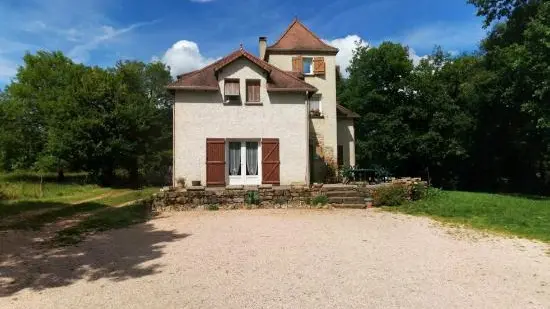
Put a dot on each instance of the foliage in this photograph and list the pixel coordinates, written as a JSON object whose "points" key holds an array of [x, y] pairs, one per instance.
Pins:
{"points": [[252, 198], [477, 121], [57, 114], [524, 216], [390, 195], [213, 207], [319, 200], [347, 173]]}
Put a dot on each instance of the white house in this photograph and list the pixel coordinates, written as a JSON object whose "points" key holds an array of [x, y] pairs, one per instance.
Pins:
{"points": [[272, 119]]}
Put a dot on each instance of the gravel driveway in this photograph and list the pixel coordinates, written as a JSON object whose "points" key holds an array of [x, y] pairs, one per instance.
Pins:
{"points": [[282, 259]]}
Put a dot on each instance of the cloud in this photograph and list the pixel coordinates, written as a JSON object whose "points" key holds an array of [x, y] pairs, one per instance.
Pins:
{"points": [[80, 53], [346, 45], [184, 56], [416, 58]]}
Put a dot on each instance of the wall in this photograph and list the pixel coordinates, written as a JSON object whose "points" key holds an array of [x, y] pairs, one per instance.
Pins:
{"points": [[325, 128], [199, 115], [346, 138]]}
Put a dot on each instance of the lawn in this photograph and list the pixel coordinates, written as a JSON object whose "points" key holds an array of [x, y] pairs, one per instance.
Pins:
{"points": [[527, 217], [25, 204]]}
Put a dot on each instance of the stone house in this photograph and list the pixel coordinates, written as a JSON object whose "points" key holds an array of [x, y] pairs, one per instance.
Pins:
{"points": [[267, 119]]}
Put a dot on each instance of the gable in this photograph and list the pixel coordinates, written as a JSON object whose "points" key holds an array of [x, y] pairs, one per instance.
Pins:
{"points": [[298, 38]]}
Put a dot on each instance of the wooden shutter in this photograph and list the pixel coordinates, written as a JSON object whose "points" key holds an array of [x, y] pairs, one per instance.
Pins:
{"points": [[232, 87], [215, 162], [252, 91], [297, 64], [319, 65], [270, 161]]}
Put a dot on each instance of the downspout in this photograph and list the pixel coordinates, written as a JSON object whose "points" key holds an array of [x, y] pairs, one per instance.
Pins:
{"points": [[308, 155]]}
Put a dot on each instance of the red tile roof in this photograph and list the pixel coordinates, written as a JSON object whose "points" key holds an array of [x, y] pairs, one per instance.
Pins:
{"points": [[298, 37], [345, 113], [206, 78]]}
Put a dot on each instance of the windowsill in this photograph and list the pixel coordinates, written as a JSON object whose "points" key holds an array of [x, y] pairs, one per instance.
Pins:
{"points": [[253, 103], [235, 102], [316, 116]]}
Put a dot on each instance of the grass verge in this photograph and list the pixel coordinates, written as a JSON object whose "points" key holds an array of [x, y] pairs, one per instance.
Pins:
{"points": [[527, 217]]}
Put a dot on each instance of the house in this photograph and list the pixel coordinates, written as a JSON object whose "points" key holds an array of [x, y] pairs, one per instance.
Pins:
{"points": [[267, 119]]}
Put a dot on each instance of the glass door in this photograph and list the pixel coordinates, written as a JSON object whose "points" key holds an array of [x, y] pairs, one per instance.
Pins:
{"points": [[244, 166]]}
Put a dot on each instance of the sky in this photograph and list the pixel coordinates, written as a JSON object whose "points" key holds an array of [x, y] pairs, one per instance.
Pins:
{"points": [[189, 34]]}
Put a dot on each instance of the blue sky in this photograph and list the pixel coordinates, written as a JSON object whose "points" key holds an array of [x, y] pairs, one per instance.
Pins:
{"points": [[187, 34]]}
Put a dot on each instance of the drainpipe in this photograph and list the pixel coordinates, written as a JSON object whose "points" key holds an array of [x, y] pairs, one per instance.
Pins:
{"points": [[308, 155]]}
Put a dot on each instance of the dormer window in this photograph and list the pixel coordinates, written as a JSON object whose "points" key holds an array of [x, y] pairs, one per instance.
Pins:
{"points": [[232, 88]]}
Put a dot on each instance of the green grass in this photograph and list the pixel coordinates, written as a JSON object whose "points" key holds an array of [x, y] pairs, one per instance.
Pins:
{"points": [[527, 217], [24, 206]]}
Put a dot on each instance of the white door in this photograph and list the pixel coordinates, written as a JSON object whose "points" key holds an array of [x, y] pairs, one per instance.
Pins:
{"points": [[244, 162]]}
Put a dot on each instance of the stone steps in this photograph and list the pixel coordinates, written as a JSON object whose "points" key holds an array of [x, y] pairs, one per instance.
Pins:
{"points": [[346, 200], [342, 188], [343, 194], [350, 206]]}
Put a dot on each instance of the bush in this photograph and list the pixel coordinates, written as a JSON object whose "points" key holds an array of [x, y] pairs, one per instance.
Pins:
{"points": [[418, 191], [319, 200], [390, 195], [252, 198], [213, 207]]}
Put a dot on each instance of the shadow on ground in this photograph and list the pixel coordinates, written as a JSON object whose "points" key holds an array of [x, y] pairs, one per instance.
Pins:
{"points": [[49, 244], [115, 255]]}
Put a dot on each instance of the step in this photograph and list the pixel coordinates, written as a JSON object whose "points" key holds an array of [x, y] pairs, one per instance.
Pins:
{"points": [[337, 187], [347, 200], [349, 206], [343, 193]]}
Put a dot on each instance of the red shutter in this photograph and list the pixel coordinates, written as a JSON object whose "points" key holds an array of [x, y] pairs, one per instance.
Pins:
{"points": [[297, 64], [270, 161], [319, 65], [215, 162]]}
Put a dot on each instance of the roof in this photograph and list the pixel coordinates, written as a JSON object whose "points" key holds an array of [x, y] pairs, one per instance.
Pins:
{"points": [[298, 37], [206, 78], [345, 113]]}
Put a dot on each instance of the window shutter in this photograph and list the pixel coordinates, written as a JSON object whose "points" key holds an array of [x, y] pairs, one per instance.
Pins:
{"points": [[253, 91], [297, 64], [270, 161], [232, 87], [319, 65], [215, 162]]}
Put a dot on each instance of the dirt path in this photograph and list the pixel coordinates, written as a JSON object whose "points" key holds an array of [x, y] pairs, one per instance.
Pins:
{"points": [[283, 259]]}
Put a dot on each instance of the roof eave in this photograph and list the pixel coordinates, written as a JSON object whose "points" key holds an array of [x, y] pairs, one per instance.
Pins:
{"points": [[291, 90], [271, 50]]}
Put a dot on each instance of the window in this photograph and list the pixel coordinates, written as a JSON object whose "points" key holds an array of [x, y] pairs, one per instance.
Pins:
{"points": [[307, 63], [315, 104], [253, 91], [340, 155], [232, 87]]}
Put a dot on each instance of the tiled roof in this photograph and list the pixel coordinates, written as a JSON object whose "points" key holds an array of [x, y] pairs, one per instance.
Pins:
{"points": [[206, 78], [298, 37], [345, 113]]}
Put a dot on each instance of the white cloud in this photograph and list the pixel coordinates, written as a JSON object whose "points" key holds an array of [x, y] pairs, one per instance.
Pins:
{"points": [[184, 56], [416, 58], [80, 53], [346, 45]]}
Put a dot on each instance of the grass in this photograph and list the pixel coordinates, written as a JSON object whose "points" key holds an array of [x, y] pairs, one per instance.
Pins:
{"points": [[24, 206], [526, 217]]}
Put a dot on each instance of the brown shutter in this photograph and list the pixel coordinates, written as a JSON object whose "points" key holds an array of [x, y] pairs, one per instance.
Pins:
{"points": [[253, 91], [297, 64], [318, 65], [270, 161], [215, 162], [232, 87]]}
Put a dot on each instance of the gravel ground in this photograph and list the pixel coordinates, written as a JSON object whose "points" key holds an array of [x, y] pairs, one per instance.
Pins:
{"points": [[281, 259]]}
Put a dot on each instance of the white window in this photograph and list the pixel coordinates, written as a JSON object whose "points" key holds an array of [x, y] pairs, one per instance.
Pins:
{"points": [[244, 158], [308, 65], [315, 104]]}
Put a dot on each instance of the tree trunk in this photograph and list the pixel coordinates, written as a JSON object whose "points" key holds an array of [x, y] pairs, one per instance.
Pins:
{"points": [[60, 175]]}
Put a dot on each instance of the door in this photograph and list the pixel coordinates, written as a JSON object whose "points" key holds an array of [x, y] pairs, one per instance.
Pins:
{"points": [[244, 162]]}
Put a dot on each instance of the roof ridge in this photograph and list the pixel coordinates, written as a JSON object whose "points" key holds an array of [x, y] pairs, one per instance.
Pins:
{"points": [[297, 21], [286, 31]]}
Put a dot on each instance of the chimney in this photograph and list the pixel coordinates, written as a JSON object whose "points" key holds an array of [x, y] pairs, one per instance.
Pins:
{"points": [[263, 46]]}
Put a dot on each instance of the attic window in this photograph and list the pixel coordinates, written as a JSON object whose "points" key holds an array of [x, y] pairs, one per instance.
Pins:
{"points": [[232, 88], [307, 63]]}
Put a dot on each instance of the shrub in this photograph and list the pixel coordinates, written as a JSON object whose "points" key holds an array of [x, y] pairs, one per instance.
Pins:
{"points": [[252, 198], [418, 191], [347, 173], [181, 182], [390, 195], [319, 200], [213, 207]]}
